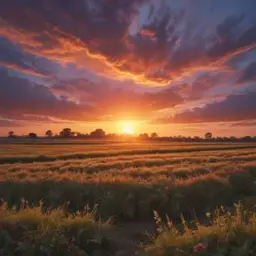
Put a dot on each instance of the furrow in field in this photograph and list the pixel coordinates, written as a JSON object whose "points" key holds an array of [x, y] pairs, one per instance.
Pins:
{"points": [[120, 163], [149, 171], [100, 154]]}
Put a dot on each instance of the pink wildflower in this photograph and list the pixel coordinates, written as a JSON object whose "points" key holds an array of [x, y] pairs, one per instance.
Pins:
{"points": [[199, 247]]}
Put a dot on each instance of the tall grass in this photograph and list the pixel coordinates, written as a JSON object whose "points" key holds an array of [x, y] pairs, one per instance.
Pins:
{"points": [[130, 187], [224, 233], [126, 182], [31, 231]]}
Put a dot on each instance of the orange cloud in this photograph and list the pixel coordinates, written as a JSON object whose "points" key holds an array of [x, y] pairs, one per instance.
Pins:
{"points": [[18, 68], [111, 52], [70, 49]]}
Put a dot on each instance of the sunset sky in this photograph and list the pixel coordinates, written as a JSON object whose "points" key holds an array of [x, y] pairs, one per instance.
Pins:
{"points": [[175, 67]]}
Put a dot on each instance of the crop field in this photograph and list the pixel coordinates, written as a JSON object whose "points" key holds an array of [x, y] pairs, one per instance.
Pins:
{"points": [[105, 196]]}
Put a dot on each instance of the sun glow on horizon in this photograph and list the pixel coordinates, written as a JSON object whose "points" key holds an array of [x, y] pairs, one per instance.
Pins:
{"points": [[127, 127]]}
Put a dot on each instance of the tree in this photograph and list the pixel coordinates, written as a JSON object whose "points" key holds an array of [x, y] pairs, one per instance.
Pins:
{"points": [[49, 133], [144, 136], [154, 135], [11, 134], [66, 133], [98, 133], [32, 135], [208, 135], [247, 138]]}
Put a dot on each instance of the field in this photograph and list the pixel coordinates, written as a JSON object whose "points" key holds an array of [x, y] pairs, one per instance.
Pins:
{"points": [[82, 185]]}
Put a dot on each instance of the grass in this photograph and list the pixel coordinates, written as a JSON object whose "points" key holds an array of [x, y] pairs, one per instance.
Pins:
{"points": [[130, 187], [29, 231], [127, 182], [224, 233], [13, 153]]}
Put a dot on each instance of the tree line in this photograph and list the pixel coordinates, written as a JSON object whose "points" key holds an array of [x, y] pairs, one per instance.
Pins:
{"points": [[101, 134]]}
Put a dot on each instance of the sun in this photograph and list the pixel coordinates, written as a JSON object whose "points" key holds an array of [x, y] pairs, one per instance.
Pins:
{"points": [[128, 130], [127, 127]]}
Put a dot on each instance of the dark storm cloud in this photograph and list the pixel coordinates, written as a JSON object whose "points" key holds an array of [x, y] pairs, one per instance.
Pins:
{"points": [[19, 96], [233, 108]]}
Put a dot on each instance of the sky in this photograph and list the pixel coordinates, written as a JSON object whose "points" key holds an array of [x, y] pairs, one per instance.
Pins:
{"points": [[173, 67]]}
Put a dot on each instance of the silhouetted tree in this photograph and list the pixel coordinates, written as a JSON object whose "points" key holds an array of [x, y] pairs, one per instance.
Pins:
{"points": [[196, 138], [144, 136], [11, 134], [66, 133], [247, 138], [112, 135], [208, 135], [49, 133], [32, 135], [154, 135], [98, 133]]}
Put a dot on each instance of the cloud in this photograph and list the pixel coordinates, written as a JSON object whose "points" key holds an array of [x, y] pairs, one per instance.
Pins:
{"points": [[249, 74], [13, 57], [234, 108], [95, 60], [21, 99], [7, 123], [202, 86], [244, 124], [97, 35], [19, 96], [118, 101], [30, 118]]}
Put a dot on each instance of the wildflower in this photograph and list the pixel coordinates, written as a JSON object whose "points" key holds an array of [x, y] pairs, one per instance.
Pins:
{"points": [[199, 247], [208, 214]]}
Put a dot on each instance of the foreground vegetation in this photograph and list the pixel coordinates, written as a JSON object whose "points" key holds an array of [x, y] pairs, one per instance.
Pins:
{"points": [[33, 231], [226, 233], [29, 231], [126, 182]]}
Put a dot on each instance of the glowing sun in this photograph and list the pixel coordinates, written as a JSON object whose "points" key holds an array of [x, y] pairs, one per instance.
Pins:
{"points": [[127, 128]]}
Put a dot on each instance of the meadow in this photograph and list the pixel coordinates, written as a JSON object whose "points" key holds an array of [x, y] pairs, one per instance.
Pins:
{"points": [[138, 187]]}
